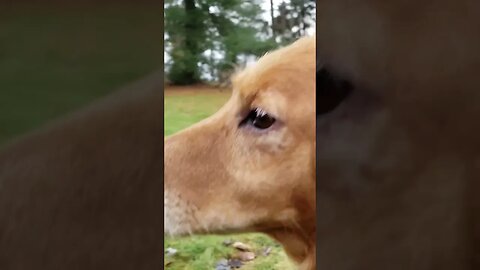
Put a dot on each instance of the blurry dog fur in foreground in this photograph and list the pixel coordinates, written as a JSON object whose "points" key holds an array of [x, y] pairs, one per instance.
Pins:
{"points": [[83, 192], [398, 161]]}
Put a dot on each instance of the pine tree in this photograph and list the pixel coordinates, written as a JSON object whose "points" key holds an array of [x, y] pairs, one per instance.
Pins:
{"points": [[197, 29]]}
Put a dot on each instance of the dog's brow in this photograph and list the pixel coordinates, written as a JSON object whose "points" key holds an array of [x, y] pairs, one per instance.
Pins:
{"points": [[248, 96]]}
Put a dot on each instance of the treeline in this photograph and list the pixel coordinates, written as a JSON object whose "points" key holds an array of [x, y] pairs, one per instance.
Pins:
{"points": [[206, 39]]}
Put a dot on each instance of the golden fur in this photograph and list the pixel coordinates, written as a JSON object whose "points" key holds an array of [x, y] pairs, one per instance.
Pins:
{"points": [[83, 192], [398, 161], [222, 177]]}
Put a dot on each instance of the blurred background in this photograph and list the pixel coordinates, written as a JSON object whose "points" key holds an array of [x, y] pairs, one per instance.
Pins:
{"points": [[205, 41], [56, 56]]}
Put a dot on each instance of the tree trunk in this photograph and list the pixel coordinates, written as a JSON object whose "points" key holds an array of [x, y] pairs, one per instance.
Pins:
{"points": [[273, 18], [191, 71]]}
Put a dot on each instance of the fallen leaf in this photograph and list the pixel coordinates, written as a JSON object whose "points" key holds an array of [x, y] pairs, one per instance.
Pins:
{"points": [[241, 246], [246, 256], [267, 251]]}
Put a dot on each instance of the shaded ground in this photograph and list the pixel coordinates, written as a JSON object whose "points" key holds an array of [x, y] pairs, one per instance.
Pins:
{"points": [[183, 107]]}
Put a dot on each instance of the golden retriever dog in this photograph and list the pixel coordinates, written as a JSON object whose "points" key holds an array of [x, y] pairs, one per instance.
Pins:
{"points": [[398, 160], [251, 166], [83, 192]]}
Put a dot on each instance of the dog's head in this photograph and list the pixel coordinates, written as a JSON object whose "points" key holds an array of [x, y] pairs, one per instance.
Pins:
{"points": [[396, 159], [250, 166]]}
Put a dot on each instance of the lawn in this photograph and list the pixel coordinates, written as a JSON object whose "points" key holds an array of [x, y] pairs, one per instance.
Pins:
{"points": [[187, 105], [184, 107]]}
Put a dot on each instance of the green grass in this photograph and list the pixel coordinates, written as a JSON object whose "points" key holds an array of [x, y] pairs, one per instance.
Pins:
{"points": [[185, 108], [203, 252], [55, 60]]}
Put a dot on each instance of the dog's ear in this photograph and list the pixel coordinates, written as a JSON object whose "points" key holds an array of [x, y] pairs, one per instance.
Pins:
{"points": [[331, 90]]}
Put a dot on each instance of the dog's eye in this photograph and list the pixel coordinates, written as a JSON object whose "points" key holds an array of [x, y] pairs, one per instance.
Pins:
{"points": [[259, 119], [331, 91]]}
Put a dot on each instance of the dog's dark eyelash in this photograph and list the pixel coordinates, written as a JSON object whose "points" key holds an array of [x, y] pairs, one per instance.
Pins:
{"points": [[331, 91], [258, 118]]}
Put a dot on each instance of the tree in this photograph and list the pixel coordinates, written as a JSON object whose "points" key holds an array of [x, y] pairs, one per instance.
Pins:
{"points": [[293, 19], [272, 17], [198, 30], [185, 27]]}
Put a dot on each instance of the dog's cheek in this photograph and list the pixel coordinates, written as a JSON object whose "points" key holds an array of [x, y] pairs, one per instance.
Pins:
{"points": [[357, 157], [274, 144], [260, 167]]}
